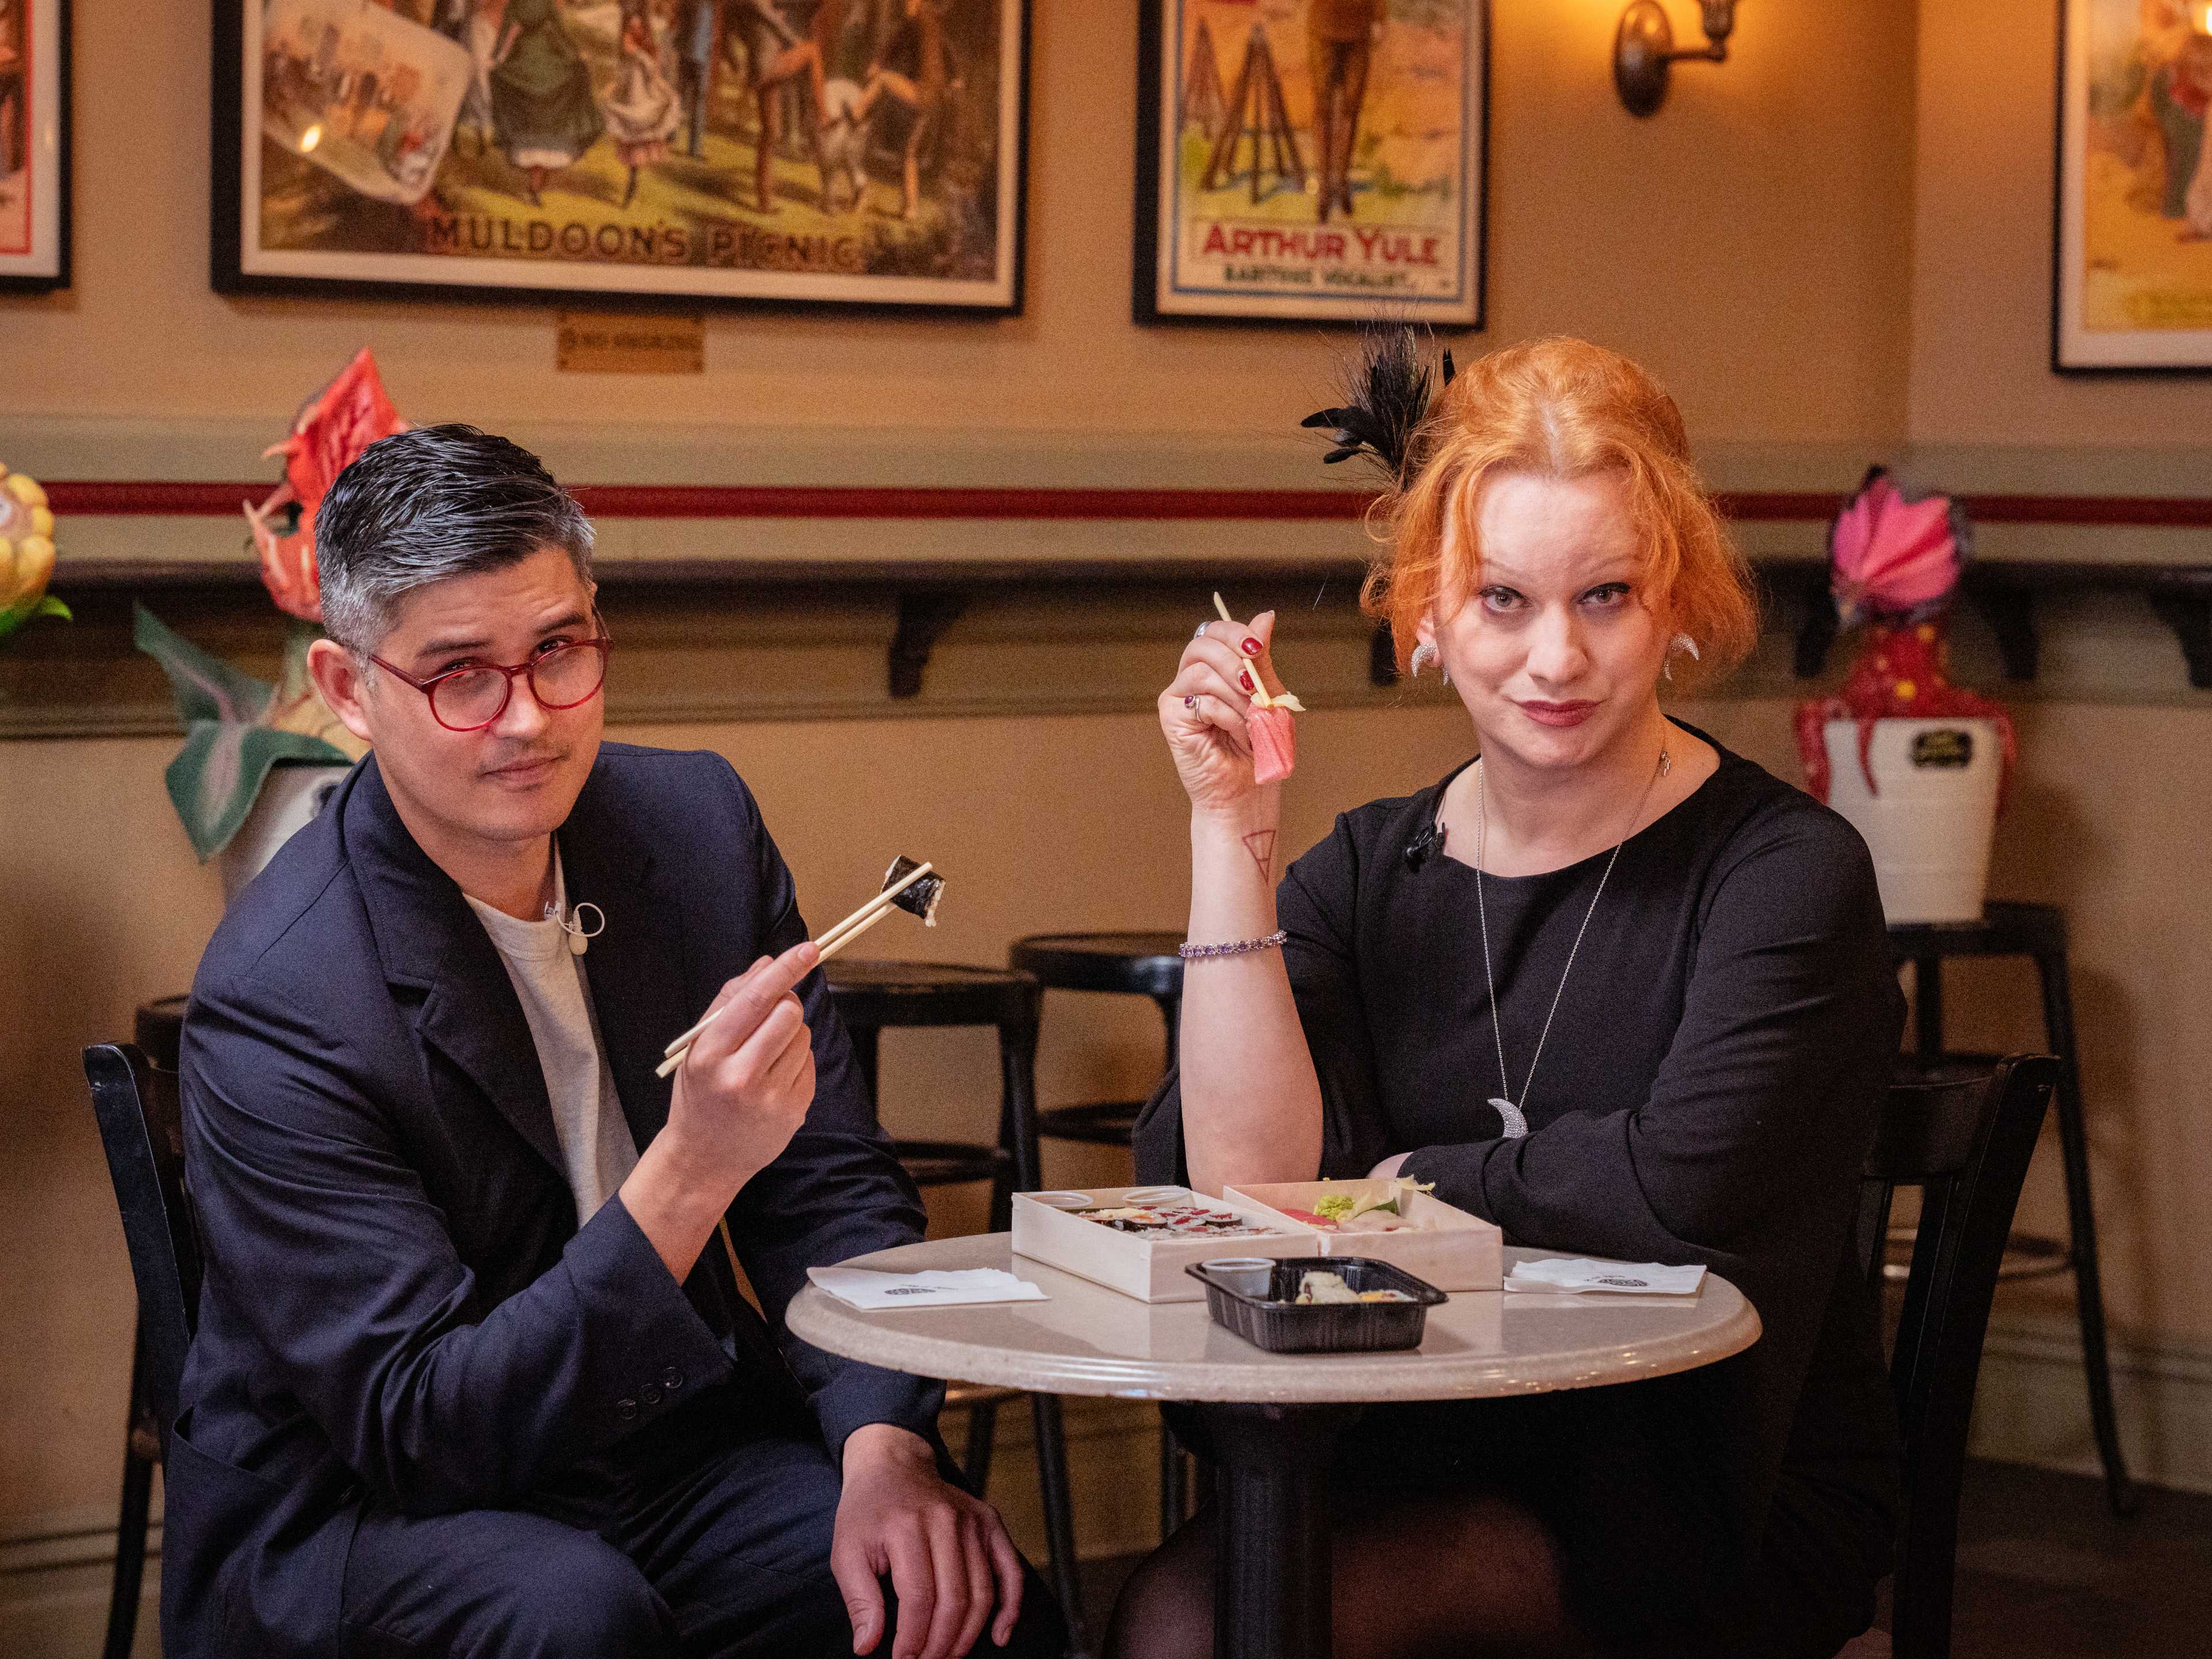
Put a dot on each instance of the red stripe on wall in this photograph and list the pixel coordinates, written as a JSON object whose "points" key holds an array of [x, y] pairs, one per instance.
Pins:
{"points": [[192, 499], [108, 498]]}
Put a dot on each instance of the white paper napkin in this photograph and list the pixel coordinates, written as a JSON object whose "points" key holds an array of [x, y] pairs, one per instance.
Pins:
{"points": [[1619, 1278], [942, 1288]]}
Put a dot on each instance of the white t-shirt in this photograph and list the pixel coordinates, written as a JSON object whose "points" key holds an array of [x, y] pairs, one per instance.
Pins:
{"points": [[587, 1118]]}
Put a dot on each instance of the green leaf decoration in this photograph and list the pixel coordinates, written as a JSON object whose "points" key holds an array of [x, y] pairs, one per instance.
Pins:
{"points": [[218, 773], [206, 688], [14, 616]]}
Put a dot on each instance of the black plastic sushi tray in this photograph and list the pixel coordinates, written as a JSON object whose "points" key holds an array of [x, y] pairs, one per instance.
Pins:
{"points": [[1280, 1324]]}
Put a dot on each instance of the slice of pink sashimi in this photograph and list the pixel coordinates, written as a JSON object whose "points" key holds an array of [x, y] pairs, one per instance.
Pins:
{"points": [[1274, 742]]}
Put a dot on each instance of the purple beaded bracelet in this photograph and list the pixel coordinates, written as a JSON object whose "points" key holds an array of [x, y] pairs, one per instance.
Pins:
{"points": [[1235, 948]]}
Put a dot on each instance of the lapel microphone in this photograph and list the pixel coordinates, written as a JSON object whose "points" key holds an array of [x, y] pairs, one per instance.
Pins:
{"points": [[580, 936], [1419, 848]]}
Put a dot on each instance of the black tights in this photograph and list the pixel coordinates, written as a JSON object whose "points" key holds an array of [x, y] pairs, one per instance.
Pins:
{"points": [[1414, 1574]]}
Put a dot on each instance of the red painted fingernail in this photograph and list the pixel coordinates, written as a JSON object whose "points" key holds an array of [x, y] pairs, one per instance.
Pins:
{"points": [[1245, 680], [1251, 648]]}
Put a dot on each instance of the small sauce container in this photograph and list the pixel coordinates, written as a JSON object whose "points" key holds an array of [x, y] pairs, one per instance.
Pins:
{"points": [[1247, 1275]]}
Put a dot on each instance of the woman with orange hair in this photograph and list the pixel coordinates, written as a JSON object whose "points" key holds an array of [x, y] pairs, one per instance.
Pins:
{"points": [[1613, 988]]}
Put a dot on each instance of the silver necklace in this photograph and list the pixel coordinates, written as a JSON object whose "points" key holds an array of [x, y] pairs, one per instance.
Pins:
{"points": [[1515, 1119]]}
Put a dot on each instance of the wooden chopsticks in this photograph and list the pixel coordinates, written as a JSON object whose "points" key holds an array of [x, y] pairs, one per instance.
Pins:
{"points": [[829, 943]]}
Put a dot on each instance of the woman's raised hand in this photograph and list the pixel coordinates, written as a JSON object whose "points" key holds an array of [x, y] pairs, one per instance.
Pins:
{"points": [[1203, 709]]}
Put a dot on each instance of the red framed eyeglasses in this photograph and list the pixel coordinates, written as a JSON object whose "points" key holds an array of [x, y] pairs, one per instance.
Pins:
{"points": [[472, 696]]}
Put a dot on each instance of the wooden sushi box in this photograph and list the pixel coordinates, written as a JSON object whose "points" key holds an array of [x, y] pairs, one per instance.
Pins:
{"points": [[1445, 1245], [1451, 1249], [1052, 1228]]}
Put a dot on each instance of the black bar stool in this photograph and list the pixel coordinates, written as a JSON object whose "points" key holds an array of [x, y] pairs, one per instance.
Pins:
{"points": [[2037, 932], [1126, 964], [873, 997]]}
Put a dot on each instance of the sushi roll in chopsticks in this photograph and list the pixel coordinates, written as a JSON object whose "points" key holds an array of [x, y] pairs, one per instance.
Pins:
{"points": [[919, 899]]}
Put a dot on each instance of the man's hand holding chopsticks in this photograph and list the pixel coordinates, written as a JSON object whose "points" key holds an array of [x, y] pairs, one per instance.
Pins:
{"points": [[741, 1093]]}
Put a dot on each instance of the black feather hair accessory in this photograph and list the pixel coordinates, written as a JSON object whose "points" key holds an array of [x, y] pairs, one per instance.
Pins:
{"points": [[1387, 388]]}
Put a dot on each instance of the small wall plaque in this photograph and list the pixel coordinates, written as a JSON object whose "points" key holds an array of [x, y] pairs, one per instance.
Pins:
{"points": [[619, 343]]}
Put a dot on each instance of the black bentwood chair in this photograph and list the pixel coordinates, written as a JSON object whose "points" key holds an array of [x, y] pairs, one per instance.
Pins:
{"points": [[1965, 1142], [142, 1129]]}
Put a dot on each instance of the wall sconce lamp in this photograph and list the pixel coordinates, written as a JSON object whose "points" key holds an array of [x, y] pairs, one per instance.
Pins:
{"points": [[1644, 49]]}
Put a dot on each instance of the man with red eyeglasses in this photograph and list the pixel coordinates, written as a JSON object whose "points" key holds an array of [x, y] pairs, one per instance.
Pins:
{"points": [[473, 1373]]}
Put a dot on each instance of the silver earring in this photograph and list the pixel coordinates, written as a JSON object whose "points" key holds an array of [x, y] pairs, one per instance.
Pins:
{"points": [[1680, 643], [1424, 654]]}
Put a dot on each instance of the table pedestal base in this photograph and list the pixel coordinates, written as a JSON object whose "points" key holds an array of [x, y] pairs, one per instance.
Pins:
{"points": [[1271, 1568]]}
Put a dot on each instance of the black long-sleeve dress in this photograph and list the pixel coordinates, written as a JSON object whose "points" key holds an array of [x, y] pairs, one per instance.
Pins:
{"points": [[1708, 1094]]}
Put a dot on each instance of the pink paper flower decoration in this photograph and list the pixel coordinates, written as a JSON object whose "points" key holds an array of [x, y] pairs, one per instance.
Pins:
{"points": [[332, 427], [1893, 557]]}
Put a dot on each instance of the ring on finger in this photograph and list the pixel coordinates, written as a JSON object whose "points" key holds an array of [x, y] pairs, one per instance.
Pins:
{"points": [[1190, 702]]}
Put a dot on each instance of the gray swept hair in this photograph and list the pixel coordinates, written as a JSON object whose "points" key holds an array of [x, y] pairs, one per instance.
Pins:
{"points": [[423, 505]]}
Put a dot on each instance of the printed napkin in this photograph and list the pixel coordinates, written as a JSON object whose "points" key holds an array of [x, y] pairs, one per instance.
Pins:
{"points": [[1620, 1278], [942, 1288]]}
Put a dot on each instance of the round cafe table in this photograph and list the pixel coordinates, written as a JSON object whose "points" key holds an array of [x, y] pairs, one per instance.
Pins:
{"points": [[1273, 1418]]}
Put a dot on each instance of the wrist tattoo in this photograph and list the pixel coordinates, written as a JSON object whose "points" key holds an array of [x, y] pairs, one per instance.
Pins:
{"points": [[1260, 844]]}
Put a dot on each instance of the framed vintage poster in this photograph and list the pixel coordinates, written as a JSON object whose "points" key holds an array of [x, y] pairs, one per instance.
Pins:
{"points": [[1311, 160], [847, 152], [2132, 247], [34, 145]]}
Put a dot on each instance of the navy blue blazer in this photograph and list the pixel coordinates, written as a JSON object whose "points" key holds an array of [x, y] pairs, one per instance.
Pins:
{"points": [[399, 1309]]}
